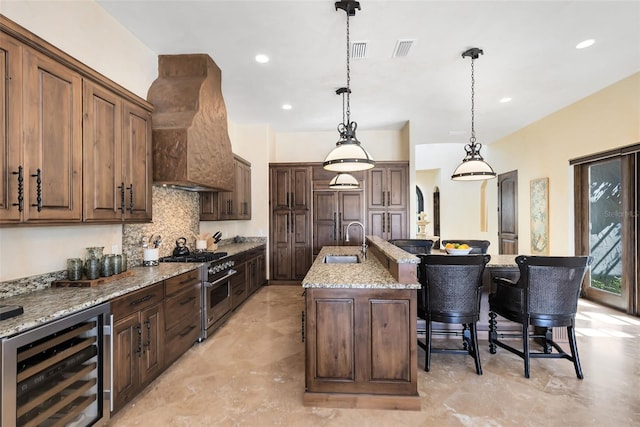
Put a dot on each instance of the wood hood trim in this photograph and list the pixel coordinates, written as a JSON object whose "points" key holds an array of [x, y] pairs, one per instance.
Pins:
{"points": [[191, 145]]}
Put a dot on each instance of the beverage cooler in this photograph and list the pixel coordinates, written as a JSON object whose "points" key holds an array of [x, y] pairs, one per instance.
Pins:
{"points": [[58, 373]]}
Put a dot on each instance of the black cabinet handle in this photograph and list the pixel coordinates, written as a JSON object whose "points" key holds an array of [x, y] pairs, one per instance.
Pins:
{"points": [[20, 203], [38, 177], [139, 350], [130, 188], [389, 223], [340, 226], [187, 330], [302, 325], [388, 198], [121, 188], [335, 226], [141, 300], [293, 199], [148, 324], [383, 223], [187, 300], [292, 223], [287, 199]]}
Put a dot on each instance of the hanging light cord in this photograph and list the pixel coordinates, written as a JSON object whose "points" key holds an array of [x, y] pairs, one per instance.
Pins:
{"points": [[348, 76], [473, 93]]}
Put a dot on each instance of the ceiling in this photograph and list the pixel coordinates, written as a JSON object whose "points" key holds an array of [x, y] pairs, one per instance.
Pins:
{"points": [[529, 56]]}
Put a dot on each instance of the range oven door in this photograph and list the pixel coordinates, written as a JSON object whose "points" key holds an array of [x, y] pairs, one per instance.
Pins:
{"points": [[217, 298]]}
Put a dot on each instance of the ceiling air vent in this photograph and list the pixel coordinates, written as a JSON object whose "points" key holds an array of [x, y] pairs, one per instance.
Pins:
{"points": [[358, 50], [402, 48]]}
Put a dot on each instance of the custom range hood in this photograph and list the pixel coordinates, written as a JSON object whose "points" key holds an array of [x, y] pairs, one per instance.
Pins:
{"points": [[191, 146]]}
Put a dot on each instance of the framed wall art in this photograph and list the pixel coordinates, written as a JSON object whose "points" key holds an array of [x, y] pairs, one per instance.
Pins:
{"points": [[539, 194]]}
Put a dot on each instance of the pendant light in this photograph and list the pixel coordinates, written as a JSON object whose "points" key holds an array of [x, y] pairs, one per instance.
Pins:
{"points": [[473, 166], [348, 155], [344, 181]]}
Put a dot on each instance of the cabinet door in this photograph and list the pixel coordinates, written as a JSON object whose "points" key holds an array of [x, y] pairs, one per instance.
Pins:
{"points": [[376, 190], [376, 224], [301, 188], [244, 192], [301, 244], [351, 208], [10, 129], [53, 139], [281, 245], [262, 269], [126, 354], [136, 163], [209, 206], [104, 184], [152, 324], [325, 220], [396, 225], [397, 186], [280, 187]]}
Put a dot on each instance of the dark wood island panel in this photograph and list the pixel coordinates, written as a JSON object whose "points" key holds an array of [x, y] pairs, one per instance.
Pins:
{"points": [[361, 348]]}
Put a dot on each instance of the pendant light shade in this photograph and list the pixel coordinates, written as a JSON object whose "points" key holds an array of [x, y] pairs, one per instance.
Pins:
{"points": [[343, 181], [348, 155], [473, 166]]}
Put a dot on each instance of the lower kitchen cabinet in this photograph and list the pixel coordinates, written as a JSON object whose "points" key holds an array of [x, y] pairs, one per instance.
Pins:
{"points": [[239, 282], [138, 341], [361, 342], [256, 269], [182, 314]]}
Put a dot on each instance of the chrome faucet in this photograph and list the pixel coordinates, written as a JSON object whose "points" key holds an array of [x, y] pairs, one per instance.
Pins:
{"points": [[364, 244]]}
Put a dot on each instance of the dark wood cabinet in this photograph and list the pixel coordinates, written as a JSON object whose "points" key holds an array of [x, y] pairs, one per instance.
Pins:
{"points": [[332, 212], [182, 314], [290, 221], [138, 341], [75, 146], [361, 341], [42, 138], [387, 200], [229, 205], [116, 158], [256, 274]]}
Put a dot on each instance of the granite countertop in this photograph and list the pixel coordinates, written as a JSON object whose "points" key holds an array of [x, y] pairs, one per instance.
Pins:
{"points": [[46, 305], [392, 251], [368, 274]]}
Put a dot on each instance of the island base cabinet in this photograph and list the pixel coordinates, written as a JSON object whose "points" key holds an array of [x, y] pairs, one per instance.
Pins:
{"points": [[361, 348]]}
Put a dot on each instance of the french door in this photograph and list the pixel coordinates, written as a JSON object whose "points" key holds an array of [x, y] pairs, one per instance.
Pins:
{"points": [[606, 209]]}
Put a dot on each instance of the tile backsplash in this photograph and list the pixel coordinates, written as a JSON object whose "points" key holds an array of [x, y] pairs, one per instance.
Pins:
{"points": [[175, 214]]}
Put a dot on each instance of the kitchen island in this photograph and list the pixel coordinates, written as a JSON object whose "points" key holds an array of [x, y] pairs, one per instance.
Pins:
{"points": [[360, 329]]}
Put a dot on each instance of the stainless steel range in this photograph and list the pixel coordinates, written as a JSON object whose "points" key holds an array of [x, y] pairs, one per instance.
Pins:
{"points": [[216, 276]]}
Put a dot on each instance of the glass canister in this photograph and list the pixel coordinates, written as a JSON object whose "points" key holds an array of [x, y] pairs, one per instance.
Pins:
{"points": [[106, 266], [74, 268], [94, 252], [117, 264], [92, 268]]}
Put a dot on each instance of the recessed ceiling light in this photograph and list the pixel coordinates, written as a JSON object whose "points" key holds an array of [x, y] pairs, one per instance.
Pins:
{"points": [[505, 99], [262, 59], [286, 106], [585, 43]]}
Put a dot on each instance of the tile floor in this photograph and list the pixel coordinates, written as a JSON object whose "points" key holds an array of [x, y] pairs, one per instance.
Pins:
{"points": [[251, 373]]}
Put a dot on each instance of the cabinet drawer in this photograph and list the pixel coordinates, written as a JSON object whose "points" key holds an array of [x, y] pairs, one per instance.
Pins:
{"points": [[180, 282], [182, 305], [181, 337], [137, 300]]}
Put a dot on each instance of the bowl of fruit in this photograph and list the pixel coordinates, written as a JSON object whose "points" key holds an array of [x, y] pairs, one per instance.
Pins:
{"points": [[457, 248]]}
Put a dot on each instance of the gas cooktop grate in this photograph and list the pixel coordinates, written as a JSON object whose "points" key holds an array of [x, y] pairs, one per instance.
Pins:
{"points": [[195, 257]]}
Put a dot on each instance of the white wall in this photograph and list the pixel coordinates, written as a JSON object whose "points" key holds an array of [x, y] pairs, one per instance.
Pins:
{"points": [[82, 29], [604, 120]]}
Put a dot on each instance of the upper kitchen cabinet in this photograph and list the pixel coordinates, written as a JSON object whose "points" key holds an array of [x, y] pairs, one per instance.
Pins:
{"points": [[229, 205], [290, 187], [42, 153], [75, 146], [387, 200], [116, 159]]}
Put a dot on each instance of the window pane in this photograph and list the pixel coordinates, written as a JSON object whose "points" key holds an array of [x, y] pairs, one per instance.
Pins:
{"points": [[605, 225]]}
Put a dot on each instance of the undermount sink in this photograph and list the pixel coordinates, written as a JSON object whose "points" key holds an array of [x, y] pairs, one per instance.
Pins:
{"points": [[341, 259]]}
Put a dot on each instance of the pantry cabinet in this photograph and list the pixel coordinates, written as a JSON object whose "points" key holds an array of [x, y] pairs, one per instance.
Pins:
{"points": [[387, 200], [290, 222], [75, 146], [116, 158]]}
